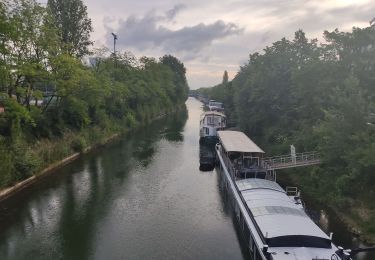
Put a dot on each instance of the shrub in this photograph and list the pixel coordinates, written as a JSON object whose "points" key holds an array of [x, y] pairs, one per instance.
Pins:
{"points": [[78, 144]]}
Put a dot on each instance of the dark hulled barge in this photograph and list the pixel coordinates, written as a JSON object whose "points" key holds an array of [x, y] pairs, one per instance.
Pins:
{"points": [[272, 220]]}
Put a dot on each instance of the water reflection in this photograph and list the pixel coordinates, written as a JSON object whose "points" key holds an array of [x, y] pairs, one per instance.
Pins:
{"points": [[66, 207], [175, 125], [229, 210], [207, 156], [139, 198]]}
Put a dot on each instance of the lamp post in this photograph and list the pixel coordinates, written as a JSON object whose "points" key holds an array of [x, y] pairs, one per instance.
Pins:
{"points": [[114, 43]]}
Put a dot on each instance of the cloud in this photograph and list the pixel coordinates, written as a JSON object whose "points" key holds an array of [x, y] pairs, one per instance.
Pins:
{"points": [[151, 31], [208, 37], [171, 14]]}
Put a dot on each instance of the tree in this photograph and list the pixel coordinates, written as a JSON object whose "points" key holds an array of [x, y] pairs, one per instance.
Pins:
{"points": [[4, 34], [225, 77], [179, 72], [27, 49], [318, 97], [74, 26]]}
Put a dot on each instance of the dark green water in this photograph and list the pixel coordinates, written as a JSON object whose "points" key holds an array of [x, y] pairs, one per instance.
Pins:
{"points": [[142, 197]]}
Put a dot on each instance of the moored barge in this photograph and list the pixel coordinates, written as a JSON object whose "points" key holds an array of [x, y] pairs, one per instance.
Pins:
{"points": [[211, 122], [273, 221]]}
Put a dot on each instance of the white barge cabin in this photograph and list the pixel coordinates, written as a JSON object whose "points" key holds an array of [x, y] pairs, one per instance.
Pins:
{"points": [[273, 222], [210, 123]]}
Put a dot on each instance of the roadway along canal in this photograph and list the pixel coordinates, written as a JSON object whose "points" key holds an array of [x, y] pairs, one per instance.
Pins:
{"points": [[142, 197]]}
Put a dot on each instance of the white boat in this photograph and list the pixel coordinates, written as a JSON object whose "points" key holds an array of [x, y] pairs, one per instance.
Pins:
{"points": [[210, 123], [215, 106], [273, 221]]}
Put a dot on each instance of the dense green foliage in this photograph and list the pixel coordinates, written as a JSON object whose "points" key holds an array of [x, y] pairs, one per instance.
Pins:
{"points": [[55, 105], [72, 24], [317, 97]]}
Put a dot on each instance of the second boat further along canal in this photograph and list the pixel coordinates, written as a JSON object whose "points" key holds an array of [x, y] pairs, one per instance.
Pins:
{"points": [[211, 122], [273, 223]]}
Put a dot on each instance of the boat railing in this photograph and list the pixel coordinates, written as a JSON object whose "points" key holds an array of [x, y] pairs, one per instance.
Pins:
{"points": [[289, 161], [291, 191], [234, 171], [228, 164], [231, 170], [215, 124]]}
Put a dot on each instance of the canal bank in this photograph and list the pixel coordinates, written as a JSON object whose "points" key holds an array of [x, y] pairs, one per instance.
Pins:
{"points": [[141, 197], [345, 216], [78, 143], [328, 218]]}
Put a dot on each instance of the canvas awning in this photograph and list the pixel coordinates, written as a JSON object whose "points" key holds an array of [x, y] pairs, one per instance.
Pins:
{"points": [[235, 141]]}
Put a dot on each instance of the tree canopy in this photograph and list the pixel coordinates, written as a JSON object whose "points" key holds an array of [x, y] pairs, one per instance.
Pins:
{"points": [[317, 96], [48, 92], [73, 25]]}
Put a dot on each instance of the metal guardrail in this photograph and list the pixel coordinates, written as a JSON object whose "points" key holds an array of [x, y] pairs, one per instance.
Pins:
{"points": [[290, 161]]}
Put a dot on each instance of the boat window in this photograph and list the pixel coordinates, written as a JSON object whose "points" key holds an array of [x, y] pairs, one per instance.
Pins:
{"points": [[299, 241], [261, 175]]}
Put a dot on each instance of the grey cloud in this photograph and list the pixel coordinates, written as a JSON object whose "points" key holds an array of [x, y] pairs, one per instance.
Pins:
{"points": [[150, 31], [171, 14], [362, 13], [319, 20], [265, 36]]}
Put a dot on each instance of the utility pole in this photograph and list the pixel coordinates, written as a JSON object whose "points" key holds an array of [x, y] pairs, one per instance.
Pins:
{"points": [[114, 43]]}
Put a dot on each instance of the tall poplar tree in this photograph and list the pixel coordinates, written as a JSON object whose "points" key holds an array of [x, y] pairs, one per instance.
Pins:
{"points": [[73, 25], [225, 77]]}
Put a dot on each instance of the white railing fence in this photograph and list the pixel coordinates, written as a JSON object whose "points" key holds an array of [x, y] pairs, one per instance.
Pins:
{"points": [[290, 161]]}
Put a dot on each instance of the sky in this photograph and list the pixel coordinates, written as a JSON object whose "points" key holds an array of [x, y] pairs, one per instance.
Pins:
{"points": [[212, 36]]}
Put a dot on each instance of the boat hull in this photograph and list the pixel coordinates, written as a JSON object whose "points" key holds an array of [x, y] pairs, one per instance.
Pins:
{"points": [[246, 226]]}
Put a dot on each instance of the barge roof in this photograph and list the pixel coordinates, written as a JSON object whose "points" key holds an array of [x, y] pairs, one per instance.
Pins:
{"points": [[236, 141], [278, 217]]}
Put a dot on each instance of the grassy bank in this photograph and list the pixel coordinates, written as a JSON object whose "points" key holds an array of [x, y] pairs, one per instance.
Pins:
{"points": [[44, 153], [358, 213]]}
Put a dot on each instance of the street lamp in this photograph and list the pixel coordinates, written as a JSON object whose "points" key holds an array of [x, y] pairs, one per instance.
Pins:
{"points": [[114, 43]]}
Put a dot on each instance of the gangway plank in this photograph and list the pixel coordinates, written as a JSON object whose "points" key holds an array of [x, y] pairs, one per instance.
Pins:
{"points": [[291, 161]]}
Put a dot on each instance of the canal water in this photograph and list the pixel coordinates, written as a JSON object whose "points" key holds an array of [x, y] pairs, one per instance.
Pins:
{"points": [[141, 197]]}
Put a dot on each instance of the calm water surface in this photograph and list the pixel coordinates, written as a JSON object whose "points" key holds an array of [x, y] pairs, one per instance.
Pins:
{"points": [[142, 197]]}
